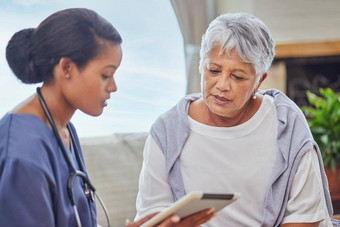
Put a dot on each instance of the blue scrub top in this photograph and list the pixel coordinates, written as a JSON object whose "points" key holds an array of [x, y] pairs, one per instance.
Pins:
{"points": [[34, 175]]}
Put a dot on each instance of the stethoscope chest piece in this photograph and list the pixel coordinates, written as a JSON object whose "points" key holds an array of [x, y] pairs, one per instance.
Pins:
{"points": [[89, 193]]}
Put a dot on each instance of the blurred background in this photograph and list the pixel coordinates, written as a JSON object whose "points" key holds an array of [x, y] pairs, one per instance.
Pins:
{"points": [[161, 40], [151, 77]]}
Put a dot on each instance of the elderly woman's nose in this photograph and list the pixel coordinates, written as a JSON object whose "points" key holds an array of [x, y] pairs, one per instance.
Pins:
{"points": [[223, 83]]}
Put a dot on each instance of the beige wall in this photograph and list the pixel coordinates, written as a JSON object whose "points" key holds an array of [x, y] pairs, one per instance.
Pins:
{"points": [[292, 20]]}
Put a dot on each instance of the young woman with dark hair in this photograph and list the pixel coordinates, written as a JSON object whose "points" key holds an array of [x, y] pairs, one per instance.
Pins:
{"points": [[43, 179]]}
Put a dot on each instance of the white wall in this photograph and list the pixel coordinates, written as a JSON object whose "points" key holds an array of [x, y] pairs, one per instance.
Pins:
{"points": [[292, 20]]}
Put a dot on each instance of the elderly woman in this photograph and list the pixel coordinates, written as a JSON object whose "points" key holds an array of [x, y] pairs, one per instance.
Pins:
{"points": [[234, 138]]}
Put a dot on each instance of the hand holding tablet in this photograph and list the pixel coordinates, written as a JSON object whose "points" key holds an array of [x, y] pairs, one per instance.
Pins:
{"points": [[192, 203]]}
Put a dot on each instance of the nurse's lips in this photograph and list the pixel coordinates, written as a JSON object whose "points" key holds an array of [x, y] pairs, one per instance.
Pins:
{"points": [[221, 100], [104, 102]]}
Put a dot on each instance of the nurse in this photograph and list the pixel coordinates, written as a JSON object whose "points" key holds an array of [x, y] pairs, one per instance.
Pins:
{"points": [[75, 54]]}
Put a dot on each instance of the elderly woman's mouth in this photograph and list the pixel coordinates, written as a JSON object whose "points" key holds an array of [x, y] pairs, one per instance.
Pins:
{"points": [[221, 99]]}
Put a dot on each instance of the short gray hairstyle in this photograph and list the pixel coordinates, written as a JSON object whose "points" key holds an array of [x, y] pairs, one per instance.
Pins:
{"points": [[245, 33]]}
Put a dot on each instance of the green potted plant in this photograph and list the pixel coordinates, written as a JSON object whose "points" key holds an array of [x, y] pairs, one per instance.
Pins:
{"points": [[323, 117]]}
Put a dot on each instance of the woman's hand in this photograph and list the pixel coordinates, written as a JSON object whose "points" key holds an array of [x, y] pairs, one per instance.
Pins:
{"points": [[139, 222], [195, 219], [174, 221]]}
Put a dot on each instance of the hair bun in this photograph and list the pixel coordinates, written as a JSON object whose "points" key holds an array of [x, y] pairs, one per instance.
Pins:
{"points": [[18, 56]]}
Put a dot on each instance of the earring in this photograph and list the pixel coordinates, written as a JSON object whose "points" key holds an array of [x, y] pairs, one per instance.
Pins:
{"points": [[254, 96], [67, 76]]}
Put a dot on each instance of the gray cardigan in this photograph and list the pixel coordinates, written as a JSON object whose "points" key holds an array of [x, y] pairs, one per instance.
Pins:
{"points": [[171, 130]]}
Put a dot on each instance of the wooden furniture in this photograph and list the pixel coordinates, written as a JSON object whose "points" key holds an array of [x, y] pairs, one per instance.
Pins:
{"points": [[336, 216], [310, 49]]}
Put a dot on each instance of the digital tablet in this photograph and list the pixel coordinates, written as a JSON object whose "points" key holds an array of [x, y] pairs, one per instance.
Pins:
{"points": [[192, 203]]}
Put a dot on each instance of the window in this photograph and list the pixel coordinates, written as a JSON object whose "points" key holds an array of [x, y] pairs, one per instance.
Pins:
{"points": [[150, 80]]}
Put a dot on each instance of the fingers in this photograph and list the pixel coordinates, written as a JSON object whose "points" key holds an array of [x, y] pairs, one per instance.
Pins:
{"points": [[198, 218], [205, 217], [190, 221], [127, 223], [139, 222], [174, 221], [170, 221]]}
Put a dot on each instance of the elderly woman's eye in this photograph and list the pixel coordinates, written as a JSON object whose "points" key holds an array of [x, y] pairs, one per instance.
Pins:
{"points": [[237, 77], [214, 71]]}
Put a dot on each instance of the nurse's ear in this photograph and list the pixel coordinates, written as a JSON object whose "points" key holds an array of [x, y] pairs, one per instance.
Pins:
{"points": [[63, 69]]}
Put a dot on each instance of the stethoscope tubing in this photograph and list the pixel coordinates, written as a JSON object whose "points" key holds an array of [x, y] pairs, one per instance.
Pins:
{"points": [[73, 171]]}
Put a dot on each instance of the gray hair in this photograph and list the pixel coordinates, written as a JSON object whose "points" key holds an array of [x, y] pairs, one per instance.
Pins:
{"points": [[245, 33]]}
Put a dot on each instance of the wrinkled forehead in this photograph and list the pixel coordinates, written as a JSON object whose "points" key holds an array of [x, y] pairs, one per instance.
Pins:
{"points": [[218, 50]]}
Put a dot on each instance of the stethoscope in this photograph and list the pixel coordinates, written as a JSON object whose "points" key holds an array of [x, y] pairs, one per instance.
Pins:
{"points": [[89, 191]]}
